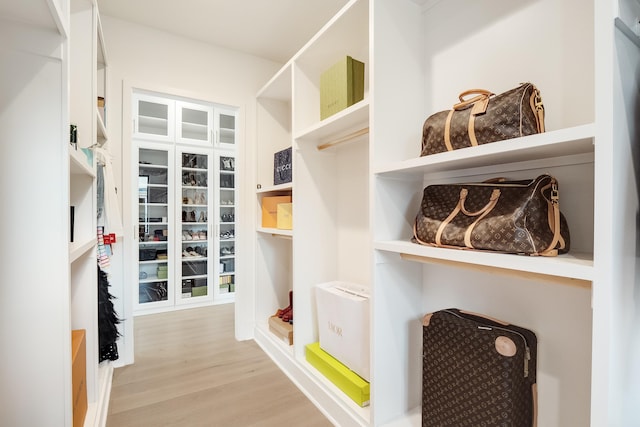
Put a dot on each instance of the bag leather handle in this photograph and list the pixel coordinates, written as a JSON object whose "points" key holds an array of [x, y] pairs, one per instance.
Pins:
{"points": [[481, 99], [482, 92], [481, 213]]}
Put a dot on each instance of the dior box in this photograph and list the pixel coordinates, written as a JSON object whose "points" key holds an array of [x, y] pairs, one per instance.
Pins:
{"points": [[282, 167], [270, 210], [346, 380], [341, 86], [343, 324]]}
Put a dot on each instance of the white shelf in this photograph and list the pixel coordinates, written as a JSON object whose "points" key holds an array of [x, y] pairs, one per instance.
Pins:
{"points": [[151, 279], [147, 166], [154, 242], [276, 232], [275, 188], [79, 165], [47, 14], [278, 88], [350, 119], [155, 261], [102, 129], [576, 268], [549, 145], [77, 249]]}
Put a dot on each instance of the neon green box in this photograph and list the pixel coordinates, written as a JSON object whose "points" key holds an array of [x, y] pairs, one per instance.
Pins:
{"points": [[345, 379], [341, 86]]}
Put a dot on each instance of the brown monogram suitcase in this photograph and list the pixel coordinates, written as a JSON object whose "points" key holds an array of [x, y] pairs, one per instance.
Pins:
{"points": [[477, 371]]}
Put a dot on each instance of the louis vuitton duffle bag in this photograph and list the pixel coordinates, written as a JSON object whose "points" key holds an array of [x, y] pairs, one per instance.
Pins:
{"points": [[520, 217], [482, 117]]}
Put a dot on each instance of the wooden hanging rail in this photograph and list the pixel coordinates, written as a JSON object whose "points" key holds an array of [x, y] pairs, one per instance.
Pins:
{"points": [[581, 283], [343, 139]]}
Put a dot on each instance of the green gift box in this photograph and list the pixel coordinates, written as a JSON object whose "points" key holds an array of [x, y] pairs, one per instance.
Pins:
{"points": [[162, 272], [341, 86], [345, 379]]}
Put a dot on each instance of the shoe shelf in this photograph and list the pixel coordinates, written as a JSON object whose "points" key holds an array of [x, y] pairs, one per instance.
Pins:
{"points": [[226, 226], [151, 279], [195, 198], [154, 227]]}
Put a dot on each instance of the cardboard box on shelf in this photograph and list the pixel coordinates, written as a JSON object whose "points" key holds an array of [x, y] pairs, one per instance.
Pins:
{"points": [[79, 376], [284, 216], [345, 379], [270, 210], [341, 86], [281, 329]]}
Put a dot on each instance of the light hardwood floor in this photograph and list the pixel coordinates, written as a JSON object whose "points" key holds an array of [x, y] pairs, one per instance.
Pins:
{"points": [[189, 371]]}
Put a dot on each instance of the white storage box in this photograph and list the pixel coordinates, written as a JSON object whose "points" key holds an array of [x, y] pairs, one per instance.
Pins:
{"points": [[343, 324]]}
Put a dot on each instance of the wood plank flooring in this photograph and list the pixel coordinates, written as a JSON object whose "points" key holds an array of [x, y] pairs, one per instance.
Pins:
{"points": [[189, 371]]}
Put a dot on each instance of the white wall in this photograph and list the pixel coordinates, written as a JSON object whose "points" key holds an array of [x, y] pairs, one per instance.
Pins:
{"points": [[145, 58]]}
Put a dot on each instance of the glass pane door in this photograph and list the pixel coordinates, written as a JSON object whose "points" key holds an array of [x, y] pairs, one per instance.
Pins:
{"points": [[154, 228], [154, 118], [227, 224], [194, 123], [194, 206], [226, 129]]}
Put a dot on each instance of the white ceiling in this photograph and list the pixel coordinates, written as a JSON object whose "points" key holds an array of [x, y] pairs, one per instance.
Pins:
{"points": [[271, 29]]}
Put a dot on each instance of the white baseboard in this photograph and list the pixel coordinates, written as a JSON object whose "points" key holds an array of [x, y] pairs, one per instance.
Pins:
{"points": [[97, 411], [338, 408]]}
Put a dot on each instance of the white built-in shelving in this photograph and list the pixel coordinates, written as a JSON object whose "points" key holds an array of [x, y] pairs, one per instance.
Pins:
{"points": [[88, 80], [184, 197], [355, 203]]}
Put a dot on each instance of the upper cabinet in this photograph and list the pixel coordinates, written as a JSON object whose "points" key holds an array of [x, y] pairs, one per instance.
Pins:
{"points": [[161, 118], [226, 129], [154, 118], [194, 123]]}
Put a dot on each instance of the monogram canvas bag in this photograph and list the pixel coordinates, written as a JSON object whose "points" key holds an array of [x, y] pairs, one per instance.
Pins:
{"points": [[482, 117], [477, 371], [521, 217]]}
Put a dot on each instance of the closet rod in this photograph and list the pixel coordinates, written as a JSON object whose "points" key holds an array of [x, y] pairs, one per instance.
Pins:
{"points": [[343, 139], [581, 283], [281, 236]]}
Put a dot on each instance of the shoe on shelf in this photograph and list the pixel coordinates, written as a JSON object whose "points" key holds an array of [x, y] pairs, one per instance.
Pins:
{"points": [[281, 311]]}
